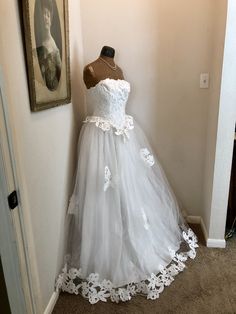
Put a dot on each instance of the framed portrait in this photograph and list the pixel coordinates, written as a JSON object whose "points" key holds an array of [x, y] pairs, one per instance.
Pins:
{"points": [[47, 52]]}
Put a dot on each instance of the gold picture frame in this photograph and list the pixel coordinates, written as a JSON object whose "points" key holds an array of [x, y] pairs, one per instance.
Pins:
{"points": [[46, 33]]}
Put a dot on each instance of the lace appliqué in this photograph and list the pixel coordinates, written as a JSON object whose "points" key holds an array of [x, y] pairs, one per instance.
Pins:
{"points": [[107, 125], [107, 178], [95, 290], [147, 157]]}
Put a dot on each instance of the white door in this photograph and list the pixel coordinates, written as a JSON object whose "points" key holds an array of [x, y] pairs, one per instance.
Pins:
{"points": [[8, 241]]}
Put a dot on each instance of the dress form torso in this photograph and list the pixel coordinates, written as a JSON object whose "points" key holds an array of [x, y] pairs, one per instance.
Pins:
{"points": [[102, 68]]}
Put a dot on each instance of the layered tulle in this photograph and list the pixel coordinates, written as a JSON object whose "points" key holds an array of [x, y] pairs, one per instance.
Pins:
{"points": [[127, 226]]}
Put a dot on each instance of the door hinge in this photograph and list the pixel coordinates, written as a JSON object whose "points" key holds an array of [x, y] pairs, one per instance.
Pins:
{"points": [[12, 200]]}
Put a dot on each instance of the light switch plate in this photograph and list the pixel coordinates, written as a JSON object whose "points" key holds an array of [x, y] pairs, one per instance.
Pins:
{"points": [[204, 80]]}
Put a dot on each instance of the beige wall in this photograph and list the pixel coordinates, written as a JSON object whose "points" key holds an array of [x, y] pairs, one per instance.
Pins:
{"points": [[45, 146], [163, 46]]}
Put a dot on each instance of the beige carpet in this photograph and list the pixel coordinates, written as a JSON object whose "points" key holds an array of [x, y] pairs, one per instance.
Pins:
{"points": [[207, 285]]}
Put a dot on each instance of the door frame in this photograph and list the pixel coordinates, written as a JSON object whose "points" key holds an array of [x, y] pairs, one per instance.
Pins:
{"points": [[14, 253], [224, 135]]}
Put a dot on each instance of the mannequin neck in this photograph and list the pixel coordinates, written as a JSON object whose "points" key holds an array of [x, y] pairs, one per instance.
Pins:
{"points": [[108, 52], [108, 59]]}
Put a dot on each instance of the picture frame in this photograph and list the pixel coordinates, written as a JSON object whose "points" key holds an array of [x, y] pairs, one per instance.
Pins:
{"points": [[46, 34]]}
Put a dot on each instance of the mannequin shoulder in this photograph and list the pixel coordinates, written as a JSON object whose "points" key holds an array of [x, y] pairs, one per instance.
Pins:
{"points": [[89, 70], [119, 70], [89, 75]]}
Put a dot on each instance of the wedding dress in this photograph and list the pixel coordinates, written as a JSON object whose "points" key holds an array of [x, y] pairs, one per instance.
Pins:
{"points": [[128, 235]]}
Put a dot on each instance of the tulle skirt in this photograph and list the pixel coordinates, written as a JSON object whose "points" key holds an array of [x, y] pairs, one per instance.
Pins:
{"points": [[128, 235]]}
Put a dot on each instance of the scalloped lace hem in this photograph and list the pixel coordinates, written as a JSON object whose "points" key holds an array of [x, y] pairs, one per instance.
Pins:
{"points": [[95, 290]]}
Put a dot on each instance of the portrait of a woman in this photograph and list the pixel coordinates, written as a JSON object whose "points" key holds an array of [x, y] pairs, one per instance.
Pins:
{"points": [[49, 55]]}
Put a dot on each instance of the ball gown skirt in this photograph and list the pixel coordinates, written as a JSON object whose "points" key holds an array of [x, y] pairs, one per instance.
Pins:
{"points": [[128, 234]]}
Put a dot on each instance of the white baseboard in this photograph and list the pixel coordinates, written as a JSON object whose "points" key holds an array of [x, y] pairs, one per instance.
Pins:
{"points": [[194, 219], [216, 243], [51, 303], [212, 243], [204, 230]]}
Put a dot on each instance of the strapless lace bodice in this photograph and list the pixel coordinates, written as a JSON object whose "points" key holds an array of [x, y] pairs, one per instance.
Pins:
{"points": [[108, 101]]}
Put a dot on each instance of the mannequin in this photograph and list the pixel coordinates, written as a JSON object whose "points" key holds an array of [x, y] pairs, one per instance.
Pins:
{"points": [[127, 234], [102, 68]]}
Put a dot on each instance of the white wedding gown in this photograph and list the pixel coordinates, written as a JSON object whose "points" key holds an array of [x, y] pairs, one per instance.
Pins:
{"points": [[127, 235]]}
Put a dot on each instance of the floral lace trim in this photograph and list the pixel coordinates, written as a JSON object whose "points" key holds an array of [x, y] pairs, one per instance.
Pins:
{"points": [[107, 124], [95, 290], [147, 157]]}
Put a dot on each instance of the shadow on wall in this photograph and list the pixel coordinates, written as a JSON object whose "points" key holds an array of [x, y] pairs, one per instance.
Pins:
{"points": [[78, 107]]}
